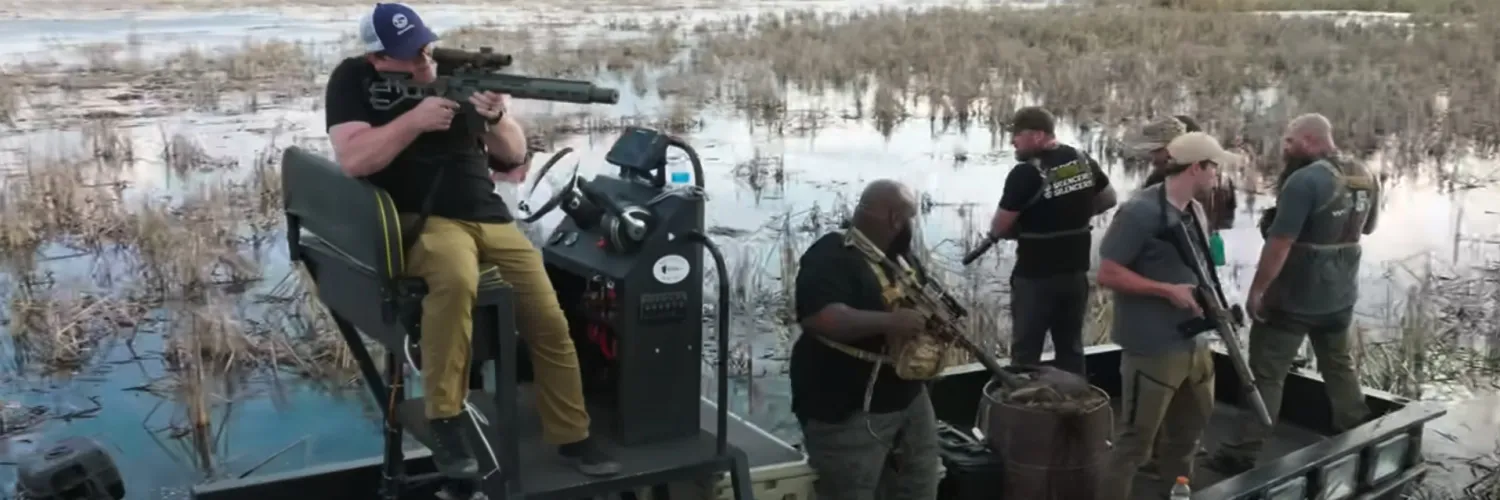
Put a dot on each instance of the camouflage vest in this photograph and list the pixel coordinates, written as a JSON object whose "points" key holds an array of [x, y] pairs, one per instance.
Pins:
{"points": [[918, 358], [1322, 269]]}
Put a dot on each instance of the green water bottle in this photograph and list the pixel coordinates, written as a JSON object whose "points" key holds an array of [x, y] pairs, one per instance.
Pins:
{"points": [[1216, 248]]}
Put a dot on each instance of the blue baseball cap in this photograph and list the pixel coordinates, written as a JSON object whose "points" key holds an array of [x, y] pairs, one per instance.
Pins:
{"points": [[395, 30]]}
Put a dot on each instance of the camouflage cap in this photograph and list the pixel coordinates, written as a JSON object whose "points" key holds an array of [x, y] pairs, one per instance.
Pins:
{"points": [[1156, 135]]}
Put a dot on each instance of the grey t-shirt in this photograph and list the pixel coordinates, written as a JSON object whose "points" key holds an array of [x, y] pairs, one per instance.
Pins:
{"points": [[1317, 281], [1146, 324]]}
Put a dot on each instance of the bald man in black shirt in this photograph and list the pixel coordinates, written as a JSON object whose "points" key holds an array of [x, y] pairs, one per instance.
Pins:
{"points": [[867, 434]]}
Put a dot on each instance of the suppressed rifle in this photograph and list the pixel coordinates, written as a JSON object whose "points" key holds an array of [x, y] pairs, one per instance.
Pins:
{"points": [[1217, 315], [977, 252], [461, 73]]}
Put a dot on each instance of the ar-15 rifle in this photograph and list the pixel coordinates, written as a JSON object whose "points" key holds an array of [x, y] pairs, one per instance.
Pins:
{"points": [[1221, 318], [461, 73]]}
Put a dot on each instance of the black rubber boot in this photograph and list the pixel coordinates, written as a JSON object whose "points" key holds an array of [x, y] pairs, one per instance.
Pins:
{"points": [[449, 453], [589, 458]]}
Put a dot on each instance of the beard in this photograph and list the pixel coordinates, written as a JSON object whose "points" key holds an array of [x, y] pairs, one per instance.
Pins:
{"points": [[901, 244], [1293, 162]]}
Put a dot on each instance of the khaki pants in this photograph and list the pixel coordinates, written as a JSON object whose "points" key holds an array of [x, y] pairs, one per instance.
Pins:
{"points": [[1273, 348], [447, 257], [1172, 393]]}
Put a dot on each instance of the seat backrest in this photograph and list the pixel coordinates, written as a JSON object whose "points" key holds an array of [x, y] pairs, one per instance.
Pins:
{"points": [[350, 214]]}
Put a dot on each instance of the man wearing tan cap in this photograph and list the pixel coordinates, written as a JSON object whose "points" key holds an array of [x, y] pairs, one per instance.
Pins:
{"points": [[1168, 376], [1151, 142]]}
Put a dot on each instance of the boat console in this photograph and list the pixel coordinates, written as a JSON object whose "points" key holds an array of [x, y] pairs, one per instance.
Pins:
{"points": [[627, 266]]}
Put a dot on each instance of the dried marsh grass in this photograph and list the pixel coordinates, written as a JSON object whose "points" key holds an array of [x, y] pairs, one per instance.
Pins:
{"points": [[182, 253], [53, 199], [59, 330], [197, 77], [1463, 7], [10, 98], [1420, 85], [189, 255], [183, 155], [1436, 324]]}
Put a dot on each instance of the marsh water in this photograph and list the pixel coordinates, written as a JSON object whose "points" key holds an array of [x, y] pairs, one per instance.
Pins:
{"points": [[266, 423]]}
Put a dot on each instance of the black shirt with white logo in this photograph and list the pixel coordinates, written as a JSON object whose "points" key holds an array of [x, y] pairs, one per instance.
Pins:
{"points": [[828, 385], [1054, 193], [358, 93]]}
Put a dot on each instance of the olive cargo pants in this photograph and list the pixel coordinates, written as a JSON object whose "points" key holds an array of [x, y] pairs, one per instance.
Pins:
{"points": [[1172, 394], [1273, 347], [882, 456], [447, 257]]}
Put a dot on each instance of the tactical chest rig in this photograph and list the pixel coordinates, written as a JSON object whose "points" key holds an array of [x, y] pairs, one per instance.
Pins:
{"points": [[1053, 180], [1353, 195], [1353, 189], [922, 357], [1058, 181]]}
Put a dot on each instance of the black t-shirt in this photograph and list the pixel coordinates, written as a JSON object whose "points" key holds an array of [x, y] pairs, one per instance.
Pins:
{"points": [[827, 384], [1067, 203], [357, 93]]}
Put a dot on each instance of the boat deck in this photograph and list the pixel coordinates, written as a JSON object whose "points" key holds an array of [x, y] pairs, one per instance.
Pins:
{"points": [[1286, 439], [544, 473]]}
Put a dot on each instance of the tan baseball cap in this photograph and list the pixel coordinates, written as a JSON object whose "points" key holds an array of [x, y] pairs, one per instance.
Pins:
{"points": [[1156, 135], [1194, 147]]}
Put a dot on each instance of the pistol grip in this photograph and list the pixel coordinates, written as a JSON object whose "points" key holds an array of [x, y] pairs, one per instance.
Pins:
{"points": [[471, 117]]}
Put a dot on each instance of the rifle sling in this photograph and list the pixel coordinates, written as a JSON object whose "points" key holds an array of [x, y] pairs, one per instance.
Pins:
{"points": [[412, 234], [1189, 256]]}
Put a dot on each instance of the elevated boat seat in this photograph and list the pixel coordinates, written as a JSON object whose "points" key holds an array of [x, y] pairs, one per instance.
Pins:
{"points": [[350, 237]]}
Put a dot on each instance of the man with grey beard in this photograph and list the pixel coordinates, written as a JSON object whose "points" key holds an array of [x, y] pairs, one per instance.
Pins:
{"points": [[1307, 282]]}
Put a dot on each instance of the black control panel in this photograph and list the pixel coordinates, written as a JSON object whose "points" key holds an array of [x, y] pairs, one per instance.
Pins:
{"points": [[657, 300], [664, 307]]}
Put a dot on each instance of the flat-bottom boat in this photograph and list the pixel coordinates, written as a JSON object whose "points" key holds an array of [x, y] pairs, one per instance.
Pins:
{"points": [[348, 234], [1304, 459]]}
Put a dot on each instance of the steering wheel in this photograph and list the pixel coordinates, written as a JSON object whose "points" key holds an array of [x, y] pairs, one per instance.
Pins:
{"points": [[566, 191]]}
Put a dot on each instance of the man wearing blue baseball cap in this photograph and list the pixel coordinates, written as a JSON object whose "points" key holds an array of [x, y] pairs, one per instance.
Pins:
{"points": [[408, 143]]}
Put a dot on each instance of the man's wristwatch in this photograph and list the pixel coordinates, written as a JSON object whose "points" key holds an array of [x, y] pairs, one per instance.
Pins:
{"points": [[496, 119]]}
